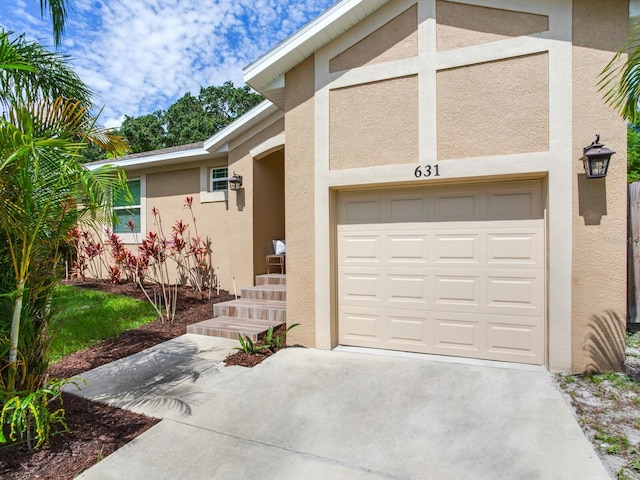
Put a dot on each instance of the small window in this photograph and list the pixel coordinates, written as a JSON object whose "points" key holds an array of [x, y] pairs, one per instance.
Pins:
{"points": [[219, 180], [127, 210]]}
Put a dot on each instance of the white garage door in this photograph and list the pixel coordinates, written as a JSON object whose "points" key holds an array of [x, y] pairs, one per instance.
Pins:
{"points": [[444, 270]]}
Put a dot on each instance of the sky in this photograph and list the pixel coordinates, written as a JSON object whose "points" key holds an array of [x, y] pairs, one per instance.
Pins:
{"points": [[139, 56]]}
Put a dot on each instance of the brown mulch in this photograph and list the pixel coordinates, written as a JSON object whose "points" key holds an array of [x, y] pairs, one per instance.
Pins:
{"points": [[98, 430]]}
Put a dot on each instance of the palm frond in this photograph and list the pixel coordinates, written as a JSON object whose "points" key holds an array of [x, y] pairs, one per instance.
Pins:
{"points": [[620, 79]]}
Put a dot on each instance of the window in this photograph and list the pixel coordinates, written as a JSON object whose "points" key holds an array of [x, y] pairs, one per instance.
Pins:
{"points": [[128, 210], [219, 179]]}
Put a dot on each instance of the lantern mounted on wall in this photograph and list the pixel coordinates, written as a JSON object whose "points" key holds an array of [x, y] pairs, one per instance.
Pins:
{"points": [[596, 159], [235, 182]]}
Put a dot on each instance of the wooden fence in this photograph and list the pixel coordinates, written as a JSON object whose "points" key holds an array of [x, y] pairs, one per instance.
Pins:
{"points": [[633, 256]]}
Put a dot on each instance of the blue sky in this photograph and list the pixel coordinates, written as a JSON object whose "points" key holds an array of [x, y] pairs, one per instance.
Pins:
{"points": [[139, 56]]}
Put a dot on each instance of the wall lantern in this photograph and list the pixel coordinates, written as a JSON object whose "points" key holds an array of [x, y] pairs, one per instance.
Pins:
{"points": [[235, 182], [596, 159]]}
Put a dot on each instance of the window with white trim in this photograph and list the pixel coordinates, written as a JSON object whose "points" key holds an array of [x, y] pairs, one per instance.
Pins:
{"points": [[127, 210], [218, 179]]}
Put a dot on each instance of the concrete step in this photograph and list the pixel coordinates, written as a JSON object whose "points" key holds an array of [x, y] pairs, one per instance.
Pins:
{"points": [[272, 310], [265, 292], [271, 279], [229, 327]]}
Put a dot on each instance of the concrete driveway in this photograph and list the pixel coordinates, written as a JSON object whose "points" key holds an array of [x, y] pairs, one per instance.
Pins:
{"points": [[310, 414]]}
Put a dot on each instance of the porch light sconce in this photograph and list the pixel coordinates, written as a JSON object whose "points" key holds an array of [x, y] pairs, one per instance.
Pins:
{"points": [[235, 182], [596, 159]]}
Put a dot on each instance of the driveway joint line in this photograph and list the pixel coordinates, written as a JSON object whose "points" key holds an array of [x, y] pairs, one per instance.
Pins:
{"points": [[290, 450]]}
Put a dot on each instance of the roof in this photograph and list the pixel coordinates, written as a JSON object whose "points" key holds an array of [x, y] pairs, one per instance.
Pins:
{"points": [[214, 147], [266, 74]]}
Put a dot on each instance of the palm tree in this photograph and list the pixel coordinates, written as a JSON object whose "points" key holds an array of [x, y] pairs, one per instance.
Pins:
{"points": [[58, 13], [44, 189], [30, 72], [620, 79]]}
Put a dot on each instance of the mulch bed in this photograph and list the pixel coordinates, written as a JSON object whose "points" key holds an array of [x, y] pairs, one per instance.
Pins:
{"points": [[98, 430]]}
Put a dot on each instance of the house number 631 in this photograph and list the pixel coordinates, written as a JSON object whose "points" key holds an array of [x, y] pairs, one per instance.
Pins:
{"points": [[427, 171]]}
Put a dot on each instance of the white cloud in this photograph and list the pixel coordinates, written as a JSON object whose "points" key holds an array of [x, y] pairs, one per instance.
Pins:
{"points": [[141, 55]]}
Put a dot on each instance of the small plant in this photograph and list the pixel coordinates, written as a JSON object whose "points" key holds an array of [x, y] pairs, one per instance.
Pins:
{"points": [[29, 418], [613, 444], [247, 345], [277, 341]]}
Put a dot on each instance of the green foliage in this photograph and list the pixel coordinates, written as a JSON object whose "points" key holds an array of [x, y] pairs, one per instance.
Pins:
{"points": [[144, 133], [277, 341], [614, 444], [620, 79], [45, 125], [82, 317], [247, 345], [28, 416], [193, 119], [633, 153], [190, 119]]}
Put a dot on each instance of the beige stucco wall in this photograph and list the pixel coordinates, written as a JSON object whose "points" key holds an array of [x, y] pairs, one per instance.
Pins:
{"points": [[268, 207], [395, 40], [494, 108], [599, 206], [374, 124], [460, 25], [167, 189], [299, 202]]}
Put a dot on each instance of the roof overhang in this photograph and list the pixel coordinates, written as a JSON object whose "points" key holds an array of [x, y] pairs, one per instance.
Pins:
{"points": [[160, 159], [220, 141], [266, 74]]}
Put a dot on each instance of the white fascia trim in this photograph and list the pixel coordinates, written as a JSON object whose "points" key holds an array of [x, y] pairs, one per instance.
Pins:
{"points": [[303, 43], [240, 125], [154, 160], [267, 147]]}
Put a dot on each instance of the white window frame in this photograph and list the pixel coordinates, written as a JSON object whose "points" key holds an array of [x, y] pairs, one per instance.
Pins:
{"points": [[213, 180], [207, 195], [134, 237]]}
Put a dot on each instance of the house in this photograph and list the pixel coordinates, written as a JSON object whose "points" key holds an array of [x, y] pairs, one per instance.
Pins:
{"points": [[423, 161]]}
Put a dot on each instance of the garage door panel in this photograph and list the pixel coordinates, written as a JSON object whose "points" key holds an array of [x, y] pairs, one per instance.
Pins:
{"points": [[515, 341], [362, 248], [510, 292], [363, 327], [362, 287], [459, 247], [408, 331], [406, 288], [410, 248], [459, 206], [456, 289], [515, 247], [408, 209], [455, 334], [453, 271], [509, 203]]}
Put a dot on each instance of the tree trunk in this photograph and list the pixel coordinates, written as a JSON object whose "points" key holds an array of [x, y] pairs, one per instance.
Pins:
{"points": [[15, 333]]}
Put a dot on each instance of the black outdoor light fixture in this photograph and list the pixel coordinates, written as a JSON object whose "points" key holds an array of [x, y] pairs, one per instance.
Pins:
{"points": [[235, 182], [596, 159]]}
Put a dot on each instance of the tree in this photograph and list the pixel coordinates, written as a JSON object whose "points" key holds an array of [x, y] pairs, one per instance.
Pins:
{"points": [[144, 133], [193, 119], [633, 153], [44, 191]]}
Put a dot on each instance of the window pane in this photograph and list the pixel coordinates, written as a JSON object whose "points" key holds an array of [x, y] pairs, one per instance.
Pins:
{"points": [[119, 197], [124, 216], [219, 180], [219, 172], [219, 185]]}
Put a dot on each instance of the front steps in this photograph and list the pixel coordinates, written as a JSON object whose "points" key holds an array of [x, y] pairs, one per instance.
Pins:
{"points": [[259, 308]]}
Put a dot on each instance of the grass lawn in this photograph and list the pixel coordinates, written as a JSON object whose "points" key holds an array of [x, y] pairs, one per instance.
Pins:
{"points": [[83, 317]]}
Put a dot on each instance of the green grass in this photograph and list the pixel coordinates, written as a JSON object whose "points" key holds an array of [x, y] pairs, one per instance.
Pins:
{"points": [[82, 318]]}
